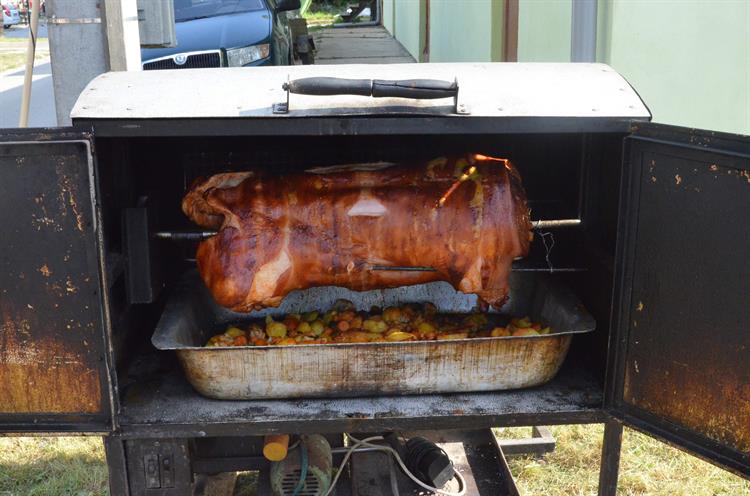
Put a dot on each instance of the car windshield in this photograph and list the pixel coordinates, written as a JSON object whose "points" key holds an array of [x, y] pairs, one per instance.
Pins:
{"points": [[186, 10]]}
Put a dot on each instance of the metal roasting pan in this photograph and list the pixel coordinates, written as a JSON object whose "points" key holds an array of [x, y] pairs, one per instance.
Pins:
{"points": [[480, 364]]}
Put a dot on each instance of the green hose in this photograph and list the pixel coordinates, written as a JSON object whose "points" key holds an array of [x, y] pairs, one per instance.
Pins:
{"points": [[303, 469]]}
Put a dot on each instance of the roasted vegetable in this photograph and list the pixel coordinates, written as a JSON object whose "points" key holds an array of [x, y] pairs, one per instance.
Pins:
{"points": [[343, 324]]}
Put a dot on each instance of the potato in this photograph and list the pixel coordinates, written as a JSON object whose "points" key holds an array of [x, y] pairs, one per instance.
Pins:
{"points": [[234, 332], [399, 336], [371, 325], [305, 328], [521, 323], [310, 316], [317, 327], [276, 329], [500, 331], [526, 331], [453, 335], [393, 315]]}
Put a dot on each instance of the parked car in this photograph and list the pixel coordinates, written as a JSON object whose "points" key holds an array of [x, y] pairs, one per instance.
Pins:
{"points": [[226, 33], [11, 15]]}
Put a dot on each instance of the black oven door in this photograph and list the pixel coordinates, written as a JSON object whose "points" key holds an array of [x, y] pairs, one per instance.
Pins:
{"points": [[53, 354], [680, 351]]}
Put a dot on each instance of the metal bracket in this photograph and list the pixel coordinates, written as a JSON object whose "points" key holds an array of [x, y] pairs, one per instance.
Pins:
{"points": [[79, 20], [282, 107], [459, 108]]}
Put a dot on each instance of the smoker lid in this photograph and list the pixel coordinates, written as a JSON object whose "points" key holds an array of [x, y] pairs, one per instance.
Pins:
{"points": [[485, 90]]}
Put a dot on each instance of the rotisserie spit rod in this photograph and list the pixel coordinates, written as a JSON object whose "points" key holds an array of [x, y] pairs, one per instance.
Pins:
{"points": [[201, 235]]}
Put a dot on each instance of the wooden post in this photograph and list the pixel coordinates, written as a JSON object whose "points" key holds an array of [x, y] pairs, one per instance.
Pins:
{"points": [[23, 121], [424, 31], [510, 31], [123, 43]]}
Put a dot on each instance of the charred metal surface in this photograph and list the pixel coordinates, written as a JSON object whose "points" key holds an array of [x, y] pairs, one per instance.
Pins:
{"points": [[685, 311], [52, 360], [164, 404]]}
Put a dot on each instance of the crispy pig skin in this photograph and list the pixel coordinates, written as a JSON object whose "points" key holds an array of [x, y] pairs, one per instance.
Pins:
{"points": [[278, 233]]}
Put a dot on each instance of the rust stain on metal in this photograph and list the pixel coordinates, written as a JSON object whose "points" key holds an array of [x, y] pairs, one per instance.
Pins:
{"points": [[67, 197], [51, 349], [41, 374], [716, 405]]}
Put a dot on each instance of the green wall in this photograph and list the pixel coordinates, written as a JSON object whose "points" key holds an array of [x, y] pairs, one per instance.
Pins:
{"points": [[388, 14], [462, 34], [544, 30], [689, 61], [406, 28]]}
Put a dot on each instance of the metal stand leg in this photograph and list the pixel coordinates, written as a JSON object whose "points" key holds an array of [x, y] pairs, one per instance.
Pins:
{"points": [[114, 448], [541, 441], [610, 462]]}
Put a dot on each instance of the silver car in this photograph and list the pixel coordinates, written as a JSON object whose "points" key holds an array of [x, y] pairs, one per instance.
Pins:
{"points": [[10, 15]]}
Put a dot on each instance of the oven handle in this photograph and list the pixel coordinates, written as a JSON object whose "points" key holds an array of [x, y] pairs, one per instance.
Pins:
{"points": [[422, 89]]}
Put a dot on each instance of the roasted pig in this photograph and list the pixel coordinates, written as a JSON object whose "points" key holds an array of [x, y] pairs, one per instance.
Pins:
{"points": [[465, 217]]}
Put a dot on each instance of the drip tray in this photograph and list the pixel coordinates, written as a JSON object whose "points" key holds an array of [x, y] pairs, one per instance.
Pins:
{"points": [[365, 369]]}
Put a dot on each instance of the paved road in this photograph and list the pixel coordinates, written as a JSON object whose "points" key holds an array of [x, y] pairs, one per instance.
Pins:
{"points": [[22, 31], [42, 109]]}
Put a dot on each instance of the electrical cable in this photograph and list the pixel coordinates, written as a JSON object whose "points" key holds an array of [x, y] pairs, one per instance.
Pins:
{"points": [[367, 442]]}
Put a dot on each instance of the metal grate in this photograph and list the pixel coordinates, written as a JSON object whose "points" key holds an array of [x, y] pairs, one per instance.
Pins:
{"points": [[311, 488], [192, 61]]}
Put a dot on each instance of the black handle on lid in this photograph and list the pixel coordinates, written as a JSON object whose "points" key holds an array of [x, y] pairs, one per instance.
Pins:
{"points": [[408, 88]]}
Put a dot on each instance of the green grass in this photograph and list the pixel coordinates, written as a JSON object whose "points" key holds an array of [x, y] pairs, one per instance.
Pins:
{"points": [[648, 467], [76, 466], [321, 18], [17, 60], [18, 41], [7, 39], [52, 466]]}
